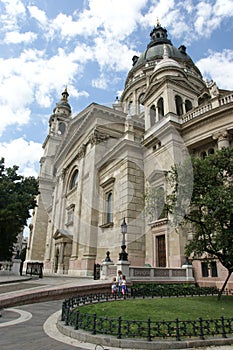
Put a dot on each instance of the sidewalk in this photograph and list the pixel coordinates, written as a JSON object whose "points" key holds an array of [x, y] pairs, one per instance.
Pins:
{"points": [[12, 279], [20, 290]]}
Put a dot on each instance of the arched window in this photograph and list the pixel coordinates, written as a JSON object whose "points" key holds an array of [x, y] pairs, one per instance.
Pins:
{"points": [[109, 208], [203, 155], [188, 105], [74, 180], [211, 151], [152, 115], [61, 128], [179, 106], [140, 105], [130, 109], [160, 108]]}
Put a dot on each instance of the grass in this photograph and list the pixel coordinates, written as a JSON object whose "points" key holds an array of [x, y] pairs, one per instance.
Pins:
{"points": [[159, 309]]}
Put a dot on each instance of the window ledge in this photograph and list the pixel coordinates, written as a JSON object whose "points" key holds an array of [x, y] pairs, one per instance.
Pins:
{"points": [[106, 225], [69, 223]]}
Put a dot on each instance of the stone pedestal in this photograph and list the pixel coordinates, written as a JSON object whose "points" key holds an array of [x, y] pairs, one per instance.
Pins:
{"points": [[15, 266], [87, 264], [104, 274], [123, 266], [189, 272]]}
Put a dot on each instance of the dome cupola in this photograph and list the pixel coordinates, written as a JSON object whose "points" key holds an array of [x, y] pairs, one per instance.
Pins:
{"points": [[63, 107], [163, 80], [158, 36], [155, 52]]}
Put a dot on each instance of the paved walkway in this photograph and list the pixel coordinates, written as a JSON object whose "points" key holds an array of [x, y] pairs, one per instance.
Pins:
{"points": [[33, 326]]}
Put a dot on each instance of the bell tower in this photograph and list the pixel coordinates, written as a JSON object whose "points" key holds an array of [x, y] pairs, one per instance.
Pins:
{"points": [[58, 124], [61, 115]]}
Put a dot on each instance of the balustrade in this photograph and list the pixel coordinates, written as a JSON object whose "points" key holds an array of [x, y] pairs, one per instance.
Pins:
{"points": [[6, 266], [201, 110]]}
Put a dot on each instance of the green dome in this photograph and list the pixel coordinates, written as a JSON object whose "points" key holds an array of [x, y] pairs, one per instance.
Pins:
{"points": [[155, 51]]}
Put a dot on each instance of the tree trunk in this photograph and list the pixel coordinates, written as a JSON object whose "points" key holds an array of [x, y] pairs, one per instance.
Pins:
{"points": [[224, 285]]}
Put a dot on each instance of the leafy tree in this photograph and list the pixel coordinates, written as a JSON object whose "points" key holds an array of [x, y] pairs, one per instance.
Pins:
{"points": [[17, 198], [211, 206]]}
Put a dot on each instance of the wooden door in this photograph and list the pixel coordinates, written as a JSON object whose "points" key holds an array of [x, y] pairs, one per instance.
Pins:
{"points": [[161, 251]]}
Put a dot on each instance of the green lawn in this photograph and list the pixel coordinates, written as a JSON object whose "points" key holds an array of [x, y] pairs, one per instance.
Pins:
{"points": [[159, 309]]}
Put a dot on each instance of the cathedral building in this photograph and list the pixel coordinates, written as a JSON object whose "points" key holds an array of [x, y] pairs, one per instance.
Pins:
{"points": [[100, 165]]}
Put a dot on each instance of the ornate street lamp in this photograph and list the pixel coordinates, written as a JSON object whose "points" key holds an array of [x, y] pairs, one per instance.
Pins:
{"points": [[123, 255]]}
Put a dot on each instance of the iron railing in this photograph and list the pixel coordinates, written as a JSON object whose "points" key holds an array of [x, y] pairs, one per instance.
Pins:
{"points": [[146, 329]]}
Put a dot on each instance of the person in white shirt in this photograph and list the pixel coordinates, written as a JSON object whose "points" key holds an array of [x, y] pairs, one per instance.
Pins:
{"points": [[119, 280]]}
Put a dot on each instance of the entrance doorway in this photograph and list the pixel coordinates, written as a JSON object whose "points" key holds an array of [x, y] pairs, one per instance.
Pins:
{"points": [[161, 251]]}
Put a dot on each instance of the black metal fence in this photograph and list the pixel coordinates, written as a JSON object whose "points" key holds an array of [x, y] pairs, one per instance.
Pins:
{"points": [[35, 268], [149, 330]]}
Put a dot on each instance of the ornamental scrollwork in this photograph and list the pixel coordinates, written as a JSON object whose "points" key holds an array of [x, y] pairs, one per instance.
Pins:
{"points": [[97, 137]]}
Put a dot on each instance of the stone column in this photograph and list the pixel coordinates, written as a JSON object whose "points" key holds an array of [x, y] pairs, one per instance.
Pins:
{"points": [[147, 117], [223, 139], [77, 212], [129, 128], [156, 114], [61, 255]]}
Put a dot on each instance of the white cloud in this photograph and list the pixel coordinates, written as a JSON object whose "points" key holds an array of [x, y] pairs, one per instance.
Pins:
{"points": [[67, 26], [219, 67], [188, 19], [14, 10], [38, 14], [82, 53], [24, 154], [15, 97], [99, 34], [33, 77], [210, 16], [9, 117], [115, 22], [103, 17], [205, 21], [15, 37], [100, 83], [158, 11], [112, 56], [223, 8], [14, 7]]}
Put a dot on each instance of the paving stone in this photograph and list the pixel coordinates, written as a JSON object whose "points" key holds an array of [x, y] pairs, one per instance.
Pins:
{"points": [[30, 334]]}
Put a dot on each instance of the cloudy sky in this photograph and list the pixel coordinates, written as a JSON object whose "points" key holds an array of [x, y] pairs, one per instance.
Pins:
{"points": [[88, 45]]}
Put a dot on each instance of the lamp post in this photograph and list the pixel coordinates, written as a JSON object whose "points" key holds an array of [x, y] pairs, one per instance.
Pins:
{"points": [[123, 255]]}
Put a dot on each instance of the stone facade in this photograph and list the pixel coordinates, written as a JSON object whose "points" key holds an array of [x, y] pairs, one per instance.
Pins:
{"points": [[98, 165]]}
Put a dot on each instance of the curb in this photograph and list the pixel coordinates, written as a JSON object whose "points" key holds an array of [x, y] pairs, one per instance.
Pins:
{"points": [[36, 296], [23, 279], [107, 340]]}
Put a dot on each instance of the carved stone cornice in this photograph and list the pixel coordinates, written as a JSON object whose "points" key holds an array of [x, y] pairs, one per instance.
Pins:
{"points": [[81, 152], [63, 172], [97, 137], [159, 222], [222, 135]]}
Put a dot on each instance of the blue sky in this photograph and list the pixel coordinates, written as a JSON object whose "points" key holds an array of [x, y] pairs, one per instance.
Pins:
{"points": [[89, 45]]}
